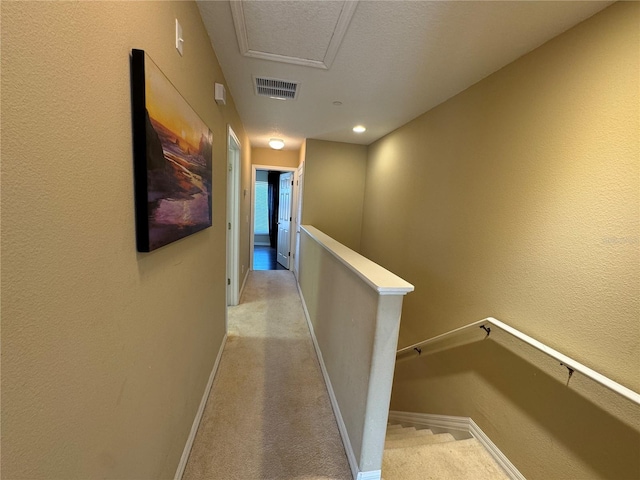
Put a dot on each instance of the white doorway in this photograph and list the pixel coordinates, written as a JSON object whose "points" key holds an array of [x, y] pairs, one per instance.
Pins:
{"points": [[286, 233], [233, 212]]}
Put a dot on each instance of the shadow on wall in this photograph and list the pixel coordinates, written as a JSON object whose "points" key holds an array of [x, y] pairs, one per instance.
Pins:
{"points": [[601, 440]]}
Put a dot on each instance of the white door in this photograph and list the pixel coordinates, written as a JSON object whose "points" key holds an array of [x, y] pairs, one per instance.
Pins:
{"points": [[284, 219]]}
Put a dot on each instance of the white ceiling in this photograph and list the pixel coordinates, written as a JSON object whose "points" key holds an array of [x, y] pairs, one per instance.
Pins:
{"points": [[386, 61]]}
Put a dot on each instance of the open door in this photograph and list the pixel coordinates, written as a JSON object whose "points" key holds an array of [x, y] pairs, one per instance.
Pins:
{"points": [[284, 219]]}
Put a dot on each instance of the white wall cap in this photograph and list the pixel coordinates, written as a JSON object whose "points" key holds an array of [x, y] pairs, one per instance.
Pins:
{"points": [[378, 277]]}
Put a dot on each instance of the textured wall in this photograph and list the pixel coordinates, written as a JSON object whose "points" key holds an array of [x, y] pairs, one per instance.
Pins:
{"points": [[334, 189], [275, 158], [519, 198], [106, 352]]}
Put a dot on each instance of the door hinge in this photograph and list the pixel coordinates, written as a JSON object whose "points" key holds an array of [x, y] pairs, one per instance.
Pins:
{"points": [[229, 225], [231, 167], [228, 281], [291, 182], [289, 254], [290, 218]]}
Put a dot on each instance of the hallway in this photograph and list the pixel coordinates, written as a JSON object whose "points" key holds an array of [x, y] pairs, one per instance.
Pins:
{"points": [[268, 414]]}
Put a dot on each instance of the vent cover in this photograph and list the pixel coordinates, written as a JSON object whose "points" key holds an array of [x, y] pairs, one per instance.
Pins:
{"points": [[274, 88]]}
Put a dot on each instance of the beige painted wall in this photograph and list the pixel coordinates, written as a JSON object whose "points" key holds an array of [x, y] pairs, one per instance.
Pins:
{"points": [[519, 199], [275, 158], [334, 179], [106, 352]]}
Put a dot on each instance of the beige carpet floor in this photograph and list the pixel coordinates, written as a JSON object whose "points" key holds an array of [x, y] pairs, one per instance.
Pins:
{"points": [[269, 414]]}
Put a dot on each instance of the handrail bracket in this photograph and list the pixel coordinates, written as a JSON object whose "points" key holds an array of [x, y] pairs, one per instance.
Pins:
{"points": [[571, 370], [419, 350], [486, 329], [526, 339]]}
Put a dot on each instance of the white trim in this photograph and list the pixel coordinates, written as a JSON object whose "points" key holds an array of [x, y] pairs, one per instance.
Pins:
{"points": [[564, 360], [304, 62], [457, 426], [374, 275], [298, 217], [196, 421], [370, 475], [244, 283], [233, 215], [495, 452], [348, 9], [237, 13], [353, 463]]}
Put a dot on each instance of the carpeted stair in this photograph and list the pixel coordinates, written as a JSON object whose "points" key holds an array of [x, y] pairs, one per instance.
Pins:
{"points": [[412, 453]]}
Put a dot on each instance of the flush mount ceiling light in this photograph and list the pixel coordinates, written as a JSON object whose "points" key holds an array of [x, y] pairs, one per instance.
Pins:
{"points": [[359, 129], [276, 143]]}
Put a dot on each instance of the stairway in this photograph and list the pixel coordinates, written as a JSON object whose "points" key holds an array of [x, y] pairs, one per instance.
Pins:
{"points": [[411, 453]]}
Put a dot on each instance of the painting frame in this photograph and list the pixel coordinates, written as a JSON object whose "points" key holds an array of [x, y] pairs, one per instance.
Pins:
{"points": [[172, 157]]}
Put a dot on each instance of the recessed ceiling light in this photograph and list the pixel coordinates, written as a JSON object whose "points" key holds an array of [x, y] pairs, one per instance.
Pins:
{"points": [[276, 143], [337, 103], [359, 129]]}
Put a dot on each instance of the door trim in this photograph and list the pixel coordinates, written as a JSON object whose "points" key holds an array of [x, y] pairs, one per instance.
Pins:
{"points": [[297, 217], [233, 217], [273, 168]]}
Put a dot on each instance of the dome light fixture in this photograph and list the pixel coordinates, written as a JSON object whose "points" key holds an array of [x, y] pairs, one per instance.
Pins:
{"points": [[359, 129], [276, 143]]}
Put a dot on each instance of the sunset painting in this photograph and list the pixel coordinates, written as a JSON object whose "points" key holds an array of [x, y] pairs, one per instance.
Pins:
{"points": [[172, 159]]}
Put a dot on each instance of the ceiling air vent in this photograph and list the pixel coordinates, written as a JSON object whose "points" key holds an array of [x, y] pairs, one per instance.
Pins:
{"points": [[274, 88]]}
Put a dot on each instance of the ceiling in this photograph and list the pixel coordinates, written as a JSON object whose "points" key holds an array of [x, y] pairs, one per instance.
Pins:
{"points": [[387, 62]]}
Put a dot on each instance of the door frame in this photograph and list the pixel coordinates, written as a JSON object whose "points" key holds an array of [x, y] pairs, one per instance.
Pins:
{"points": [[273, 168], [233, 216], [297, 217]]}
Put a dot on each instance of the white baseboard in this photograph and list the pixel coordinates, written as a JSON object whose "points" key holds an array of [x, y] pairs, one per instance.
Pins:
{"points": [[495, 452], [353, 463], [459, 427], [244, 282], [371, 475], [456, 426], [196, 421]]}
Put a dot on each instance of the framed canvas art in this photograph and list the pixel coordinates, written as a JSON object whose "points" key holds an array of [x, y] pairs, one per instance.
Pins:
{"points": [[172, 149]]}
